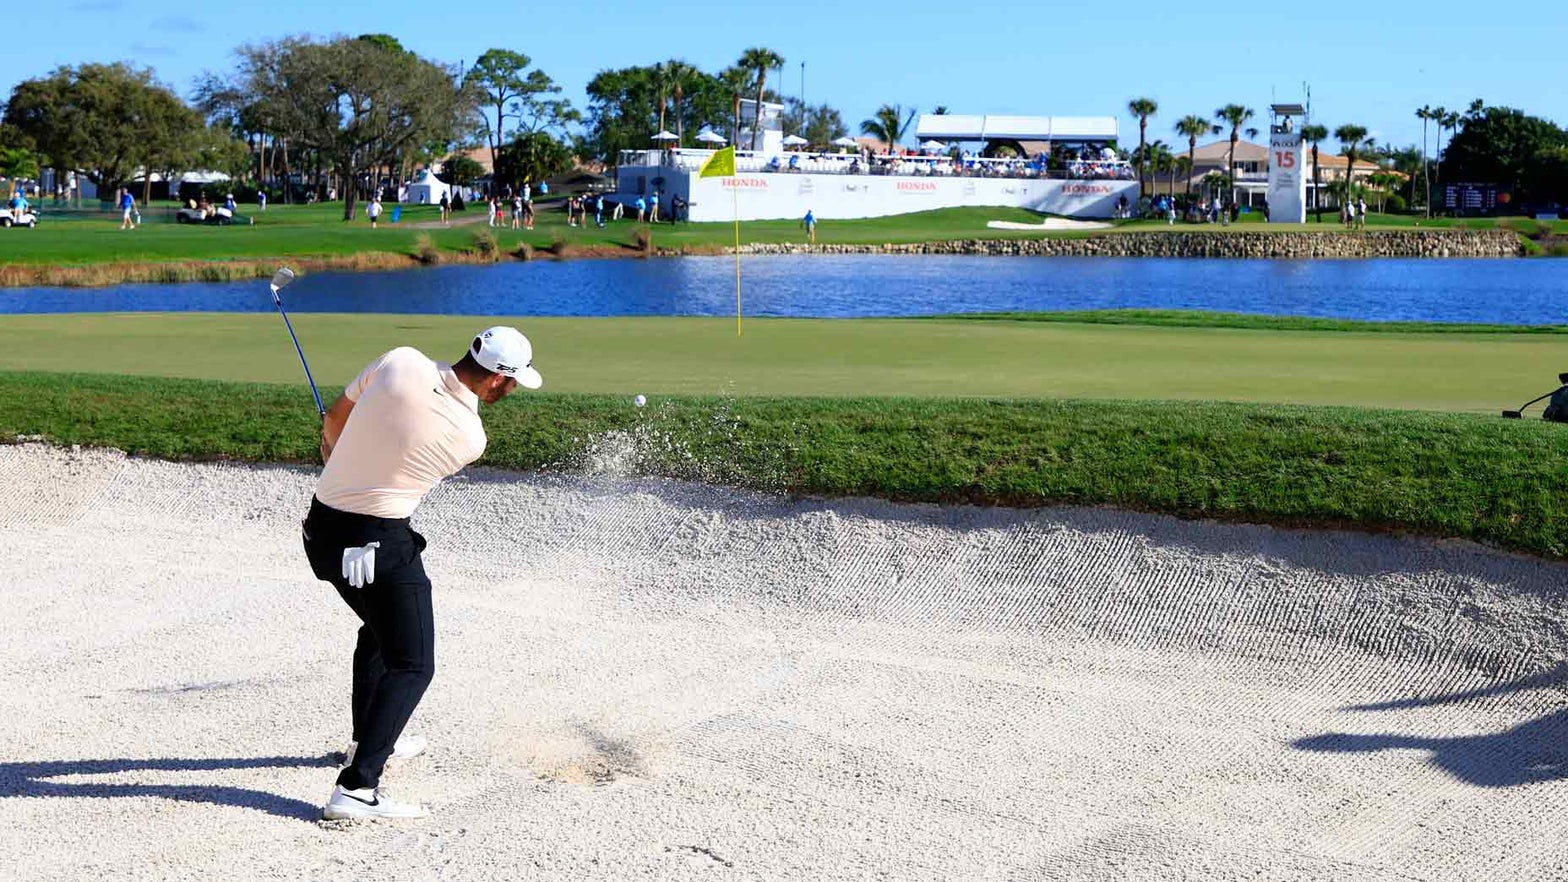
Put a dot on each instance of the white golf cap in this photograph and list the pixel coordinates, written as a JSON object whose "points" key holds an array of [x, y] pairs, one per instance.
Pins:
{"points": [[503, 350]]}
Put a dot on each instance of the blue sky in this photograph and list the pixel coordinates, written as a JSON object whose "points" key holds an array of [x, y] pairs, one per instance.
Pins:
{"points": [[1370, 63]]}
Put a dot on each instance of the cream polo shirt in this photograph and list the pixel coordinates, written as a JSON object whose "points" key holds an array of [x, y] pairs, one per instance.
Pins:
{"points": [[413, 424]]}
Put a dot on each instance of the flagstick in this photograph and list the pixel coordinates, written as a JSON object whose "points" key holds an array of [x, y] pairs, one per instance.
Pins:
{"points": [[735, 192]]}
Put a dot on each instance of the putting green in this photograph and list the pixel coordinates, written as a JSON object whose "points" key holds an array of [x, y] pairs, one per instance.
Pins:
{"points": [[835, 357]]}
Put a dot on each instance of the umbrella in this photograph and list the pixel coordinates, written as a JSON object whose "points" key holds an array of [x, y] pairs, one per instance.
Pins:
{"points": [[933, 145], [709, 136], [795, 141], [846, 141], [666, 136]]}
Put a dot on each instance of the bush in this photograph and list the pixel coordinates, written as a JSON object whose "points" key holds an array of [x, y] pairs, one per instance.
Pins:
{"points": [[1558, 250], [425, 251], [523, 251], [560, 247], [1395, 204], [486, 246], [643, 240]]}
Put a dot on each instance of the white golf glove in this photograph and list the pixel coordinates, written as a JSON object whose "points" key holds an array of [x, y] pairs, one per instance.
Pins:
{"points": [[359, 565]]}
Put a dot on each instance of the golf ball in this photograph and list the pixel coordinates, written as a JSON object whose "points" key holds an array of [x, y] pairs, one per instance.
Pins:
{"points": [[640, 400]]}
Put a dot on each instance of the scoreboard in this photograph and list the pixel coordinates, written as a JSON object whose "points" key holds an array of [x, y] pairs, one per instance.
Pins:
{"points": [[1470, 198]]}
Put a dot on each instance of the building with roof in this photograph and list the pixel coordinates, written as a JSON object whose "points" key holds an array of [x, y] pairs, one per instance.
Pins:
{"points": [[1252, 172]]}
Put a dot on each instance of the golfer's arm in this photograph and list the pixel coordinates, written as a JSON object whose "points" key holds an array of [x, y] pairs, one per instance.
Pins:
{"points": [[334, 420]]}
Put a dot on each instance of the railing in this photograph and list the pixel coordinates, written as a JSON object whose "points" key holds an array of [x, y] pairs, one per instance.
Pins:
{"points": [[747, 162]]}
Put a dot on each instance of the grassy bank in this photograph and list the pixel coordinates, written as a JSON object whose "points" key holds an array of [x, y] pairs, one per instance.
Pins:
{"points": [[1482, 478], [1277, 361], [90, 249]]}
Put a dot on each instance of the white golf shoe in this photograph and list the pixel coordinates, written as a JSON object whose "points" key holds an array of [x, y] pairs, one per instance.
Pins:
{"points": [[407, 747], [369, 805]]}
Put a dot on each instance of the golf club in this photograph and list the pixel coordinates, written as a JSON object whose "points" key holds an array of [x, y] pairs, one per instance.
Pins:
{"points": [[281, 279], [1562, 379]]}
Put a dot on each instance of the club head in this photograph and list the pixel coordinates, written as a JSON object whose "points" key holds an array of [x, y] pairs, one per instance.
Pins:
{"points": [[281, 278], [1512, 415]]}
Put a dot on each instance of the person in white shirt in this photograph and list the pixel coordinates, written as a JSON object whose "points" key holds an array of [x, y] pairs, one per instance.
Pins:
{"points": [[402, 426]]}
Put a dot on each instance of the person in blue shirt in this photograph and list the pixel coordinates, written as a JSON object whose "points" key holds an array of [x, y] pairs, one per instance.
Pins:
{"points": [[598, 210], [653, 207], [810, 220], [127, 205], [228, 202], [642, 209]]}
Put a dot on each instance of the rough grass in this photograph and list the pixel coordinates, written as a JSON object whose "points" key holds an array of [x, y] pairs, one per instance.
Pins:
{"points": [[1495, 481], [90, 249]]}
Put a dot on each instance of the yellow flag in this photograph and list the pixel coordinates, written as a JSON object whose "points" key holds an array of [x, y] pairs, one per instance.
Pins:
{"points": [[721, 164]]}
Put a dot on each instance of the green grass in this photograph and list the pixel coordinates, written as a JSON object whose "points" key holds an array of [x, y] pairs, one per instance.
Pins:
{"points": [[1488, 479], [283, 231], [1449, 370], [1191, 318]]}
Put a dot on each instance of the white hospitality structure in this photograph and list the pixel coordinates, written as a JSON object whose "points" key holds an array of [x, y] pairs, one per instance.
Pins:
{"points": [[426, 189], [772, 182]]}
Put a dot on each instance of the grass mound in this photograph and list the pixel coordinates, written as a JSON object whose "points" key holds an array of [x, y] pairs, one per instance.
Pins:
{"points": [[1482, 478]]}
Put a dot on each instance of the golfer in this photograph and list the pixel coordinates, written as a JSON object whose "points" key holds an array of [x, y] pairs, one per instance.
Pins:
{"points": [[400, 427]]}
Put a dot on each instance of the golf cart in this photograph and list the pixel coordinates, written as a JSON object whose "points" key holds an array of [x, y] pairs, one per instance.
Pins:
{"points": [[220, 217], [10, 217]]}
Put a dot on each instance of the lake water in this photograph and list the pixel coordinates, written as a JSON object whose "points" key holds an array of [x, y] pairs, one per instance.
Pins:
{"points": [[1505, 291]]}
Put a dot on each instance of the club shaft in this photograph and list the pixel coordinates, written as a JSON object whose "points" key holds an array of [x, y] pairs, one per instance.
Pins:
{"points": [[278, 301]]}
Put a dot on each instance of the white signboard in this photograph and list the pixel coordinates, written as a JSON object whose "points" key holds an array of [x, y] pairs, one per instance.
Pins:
{"points": [[1287, 179], [762, 195]]}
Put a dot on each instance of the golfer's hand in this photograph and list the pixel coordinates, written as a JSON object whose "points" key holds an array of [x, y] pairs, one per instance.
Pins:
{"points": [[359, 565]]}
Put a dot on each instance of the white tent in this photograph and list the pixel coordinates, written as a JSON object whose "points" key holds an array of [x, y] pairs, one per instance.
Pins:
{"points": [[426, 189], [666, 135], [709, 136], [795, 141]]}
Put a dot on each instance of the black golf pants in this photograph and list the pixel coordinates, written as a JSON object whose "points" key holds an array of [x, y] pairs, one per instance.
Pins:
{"points": [[394, 659]]}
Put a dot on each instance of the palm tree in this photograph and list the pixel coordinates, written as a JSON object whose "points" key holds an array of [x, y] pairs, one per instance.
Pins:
{"points": [[1313, 134], [661, 81], [760, 60], [1350, 137], [1424, 113], [1162, 161], [1142, 108], [1237, 116], [679, 75], [736, 81], [1252, 132], [1181, 165], [1440, 119], [1190, 127], [888, 124]]}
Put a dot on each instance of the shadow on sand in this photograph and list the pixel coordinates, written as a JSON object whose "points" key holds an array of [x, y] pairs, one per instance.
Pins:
{"points": [[1533, 751], [33, 780]]}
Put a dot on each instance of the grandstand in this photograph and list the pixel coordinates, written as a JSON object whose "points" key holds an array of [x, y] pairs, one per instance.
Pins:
{"points": [[1065, 166]]}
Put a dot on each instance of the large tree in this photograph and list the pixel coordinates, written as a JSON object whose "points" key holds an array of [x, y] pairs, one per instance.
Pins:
{"points": [[759, 61], [100, 120], [681, 78], [505, 85], [889, 124], [1142, 108], [363, 104], [1191, 127], [1497, 145], [531, 156], [1236, 115]]}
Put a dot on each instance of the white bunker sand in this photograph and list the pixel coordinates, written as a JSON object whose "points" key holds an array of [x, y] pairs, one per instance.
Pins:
{"points": [[1050, 223], [646, 679]]}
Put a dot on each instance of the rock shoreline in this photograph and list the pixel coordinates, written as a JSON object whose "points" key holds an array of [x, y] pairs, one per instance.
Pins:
{"points": [[1335, 244]]}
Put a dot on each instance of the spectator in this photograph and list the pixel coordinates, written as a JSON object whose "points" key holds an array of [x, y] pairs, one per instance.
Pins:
{"points": [[261, 199], [653, 207], [446, 208], [810, 223], [127, 205], [373, 210], [598, 211], [1361, 212], [642, 209]]}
